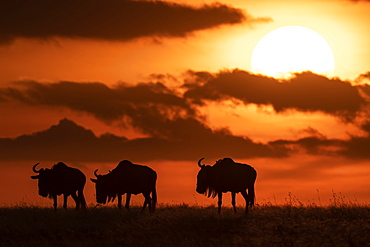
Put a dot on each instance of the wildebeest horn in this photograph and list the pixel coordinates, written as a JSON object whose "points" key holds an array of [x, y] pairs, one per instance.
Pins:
{"points": [[96, 174], [34, 168], [199, 164]]}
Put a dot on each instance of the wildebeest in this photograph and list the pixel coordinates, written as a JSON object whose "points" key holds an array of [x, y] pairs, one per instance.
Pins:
{"points": [[127, 178], [227, 176], [61, 179]]}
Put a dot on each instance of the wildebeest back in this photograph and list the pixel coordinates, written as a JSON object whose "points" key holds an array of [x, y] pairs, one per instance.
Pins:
{"points": [[233, 177], [133, 178]]}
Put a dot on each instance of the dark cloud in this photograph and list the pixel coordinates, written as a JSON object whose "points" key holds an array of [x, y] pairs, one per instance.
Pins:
{"points": [[355, 147], [365, 75], [174, 127], [150, 108], [312, 145], [305, 92], [69, 142], [156, 103], [119, 20], [363, 78], [357, 1], [145, 106]]}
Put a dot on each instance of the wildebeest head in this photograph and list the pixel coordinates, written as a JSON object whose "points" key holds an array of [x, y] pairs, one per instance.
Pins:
{"points": [[45, 180], [103, 187], [204, 180]]}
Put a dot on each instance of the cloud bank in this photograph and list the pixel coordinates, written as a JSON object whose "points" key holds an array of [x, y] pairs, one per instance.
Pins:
{"points": [[114, 20], [306, 92], [171, 120], [70, 142], [356, 1]]}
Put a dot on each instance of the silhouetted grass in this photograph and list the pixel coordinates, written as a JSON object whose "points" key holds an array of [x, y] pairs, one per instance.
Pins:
{"points": [[183, 225]]}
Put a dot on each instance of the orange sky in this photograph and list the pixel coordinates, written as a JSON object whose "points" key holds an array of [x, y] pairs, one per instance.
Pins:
{"points": [[170, 82]]}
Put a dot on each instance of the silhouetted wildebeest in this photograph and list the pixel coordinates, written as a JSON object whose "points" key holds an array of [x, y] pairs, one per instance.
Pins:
{"points": [[227, 176], [127, 178], [61, 179]]}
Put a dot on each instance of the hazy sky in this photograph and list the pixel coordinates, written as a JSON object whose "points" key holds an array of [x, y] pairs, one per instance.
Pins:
{"points": [[157, 81]]}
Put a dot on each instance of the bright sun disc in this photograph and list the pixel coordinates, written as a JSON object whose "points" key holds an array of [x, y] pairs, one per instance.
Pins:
{"points": [[292, 49]]}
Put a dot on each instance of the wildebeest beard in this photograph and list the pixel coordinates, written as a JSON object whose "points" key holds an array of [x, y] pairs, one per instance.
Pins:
{"points": [[210, 192], [111, 197], [44, 184], [47, 194], [105, 193], [206, 182]]}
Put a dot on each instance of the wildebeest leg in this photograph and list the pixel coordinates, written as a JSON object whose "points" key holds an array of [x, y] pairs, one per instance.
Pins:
{"points": [[154, 199], [65, 197], [81, 198], [147, 201], [246, 198], [119, 199], [219, 202], [128, 198], [77, 201], [251, 195], [233, 201], [55, 198]]}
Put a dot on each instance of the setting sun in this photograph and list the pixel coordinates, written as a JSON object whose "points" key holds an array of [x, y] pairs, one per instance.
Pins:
{"points": [[292, 49]]}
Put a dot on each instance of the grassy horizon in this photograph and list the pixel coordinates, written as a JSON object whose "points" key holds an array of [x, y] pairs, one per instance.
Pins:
{"points": [[184, 225]]}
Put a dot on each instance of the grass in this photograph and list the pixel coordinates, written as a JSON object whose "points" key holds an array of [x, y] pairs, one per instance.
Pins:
{"points": [[183, 225]]}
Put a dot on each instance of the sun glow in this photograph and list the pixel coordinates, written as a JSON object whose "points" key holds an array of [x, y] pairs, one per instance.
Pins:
{"points": [[292, 49]]}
